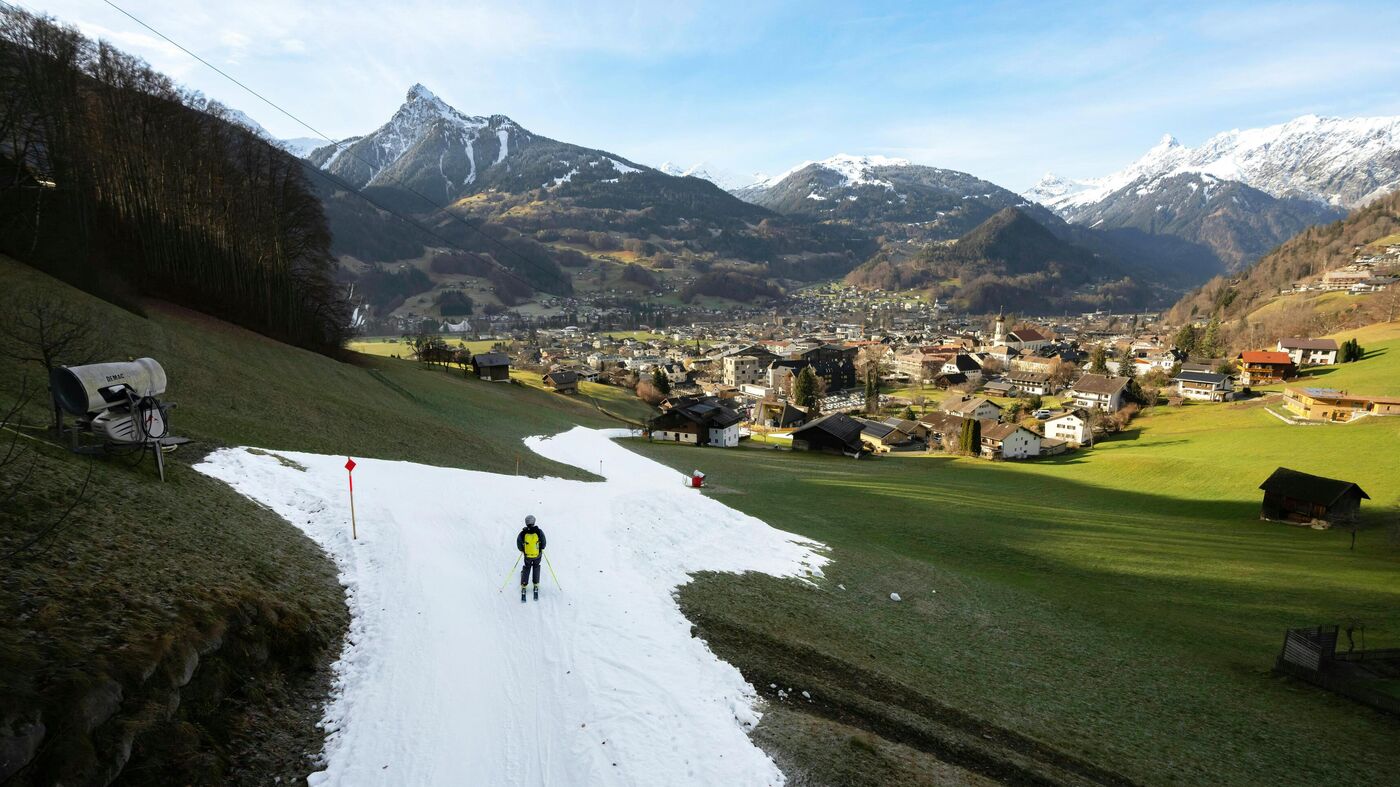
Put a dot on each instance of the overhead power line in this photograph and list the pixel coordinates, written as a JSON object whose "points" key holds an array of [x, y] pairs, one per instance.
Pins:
{"points": [[346, 149]]}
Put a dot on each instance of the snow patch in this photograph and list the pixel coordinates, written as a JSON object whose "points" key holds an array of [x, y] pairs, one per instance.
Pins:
{"points": [[599, 682]]}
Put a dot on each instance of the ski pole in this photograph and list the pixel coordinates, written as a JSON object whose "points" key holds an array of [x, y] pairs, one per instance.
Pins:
{"points": [[511, 574], [551, 572]]}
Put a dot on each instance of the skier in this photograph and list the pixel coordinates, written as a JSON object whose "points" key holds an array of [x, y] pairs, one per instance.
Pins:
{"points": [[530, 542]]}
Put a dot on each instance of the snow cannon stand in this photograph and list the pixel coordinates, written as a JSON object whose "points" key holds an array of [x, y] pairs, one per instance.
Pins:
{"points": [[696, 480], [116, 406]]}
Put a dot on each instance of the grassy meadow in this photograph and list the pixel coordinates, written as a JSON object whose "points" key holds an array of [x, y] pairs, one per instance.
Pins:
{"points": [[1120, 607]]}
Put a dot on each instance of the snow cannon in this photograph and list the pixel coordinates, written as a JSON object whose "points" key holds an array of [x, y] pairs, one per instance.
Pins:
{"points": [[118, 403], [80, 390], [696, 480]]}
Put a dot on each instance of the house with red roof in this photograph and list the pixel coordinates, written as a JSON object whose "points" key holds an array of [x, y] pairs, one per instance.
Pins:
{"points": [[1264, 367]]}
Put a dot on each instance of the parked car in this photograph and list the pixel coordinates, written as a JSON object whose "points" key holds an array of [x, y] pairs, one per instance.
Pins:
{"points": [[1041, 414]]}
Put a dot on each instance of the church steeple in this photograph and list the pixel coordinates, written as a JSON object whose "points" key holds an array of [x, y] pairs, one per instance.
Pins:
{"points": [[999, 336]]}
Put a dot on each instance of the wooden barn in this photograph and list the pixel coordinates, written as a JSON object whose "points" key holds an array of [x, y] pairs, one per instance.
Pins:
{"points": [[837, 433], [1303, 498], [492, 366], [564, 381]]}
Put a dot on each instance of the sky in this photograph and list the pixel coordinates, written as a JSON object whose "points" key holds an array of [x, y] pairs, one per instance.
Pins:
{"points": [[1006, 91]]}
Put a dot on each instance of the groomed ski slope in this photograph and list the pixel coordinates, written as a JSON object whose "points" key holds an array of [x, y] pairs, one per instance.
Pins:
{"points": [[447, 680]]}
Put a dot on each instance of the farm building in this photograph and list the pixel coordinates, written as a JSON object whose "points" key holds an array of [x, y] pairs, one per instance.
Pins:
{"points": [[563, 381], [1303, 498], [836, 433], [492, 366], [1310, 352], [1264, 367]]}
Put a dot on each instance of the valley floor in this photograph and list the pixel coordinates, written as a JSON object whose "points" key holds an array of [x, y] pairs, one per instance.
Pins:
{"points": [[449, 679]]}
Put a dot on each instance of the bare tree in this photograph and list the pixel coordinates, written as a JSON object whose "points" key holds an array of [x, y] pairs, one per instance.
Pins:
{"points": [[43, 330]]}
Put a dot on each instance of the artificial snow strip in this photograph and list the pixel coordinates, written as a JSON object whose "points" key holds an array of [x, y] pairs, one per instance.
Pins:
{"points": [[444, 679]]}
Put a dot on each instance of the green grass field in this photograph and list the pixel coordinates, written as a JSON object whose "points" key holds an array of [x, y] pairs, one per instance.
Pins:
{"points": [[388, 346], [1378, 374], [1122, 606], [618, 402]]}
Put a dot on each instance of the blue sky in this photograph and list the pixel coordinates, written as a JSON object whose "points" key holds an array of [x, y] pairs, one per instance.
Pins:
{"points": [[1006, 91]]}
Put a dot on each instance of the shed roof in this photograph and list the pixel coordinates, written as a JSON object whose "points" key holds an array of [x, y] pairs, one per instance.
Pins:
{"points": [[491, 359], [1312, 488], [838, 425]]}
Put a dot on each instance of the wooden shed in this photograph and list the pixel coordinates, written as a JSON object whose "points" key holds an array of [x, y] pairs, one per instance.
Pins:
{"points": [[493, 366], [836, 433], [563, 381], [1303, 498]]}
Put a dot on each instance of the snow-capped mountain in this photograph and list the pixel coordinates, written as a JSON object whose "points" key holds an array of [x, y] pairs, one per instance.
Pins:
{"points": [[1343, 162], [301, 146], [941, 203], [706, 171]]}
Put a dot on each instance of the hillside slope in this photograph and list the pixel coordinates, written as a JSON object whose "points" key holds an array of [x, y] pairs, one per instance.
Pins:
{"points": [[146, 582], [1011, 261], [1310, 253]]}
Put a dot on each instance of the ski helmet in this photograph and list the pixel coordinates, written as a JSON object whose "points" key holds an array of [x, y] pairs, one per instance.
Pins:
{"points": [[530, 520]]}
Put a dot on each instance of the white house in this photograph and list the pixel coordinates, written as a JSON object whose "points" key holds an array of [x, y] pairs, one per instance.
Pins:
{"points": [[1097, 392], [1310, 352], [1072, 426], [1009, 441], [1204, 386]]}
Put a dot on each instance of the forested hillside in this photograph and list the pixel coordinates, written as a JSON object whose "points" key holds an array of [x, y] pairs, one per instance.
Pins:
{"points": [[1310, 253], [118, 181]]}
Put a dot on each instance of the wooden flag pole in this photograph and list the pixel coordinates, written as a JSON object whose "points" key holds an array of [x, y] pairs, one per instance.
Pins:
{"points": [[350, 475]]}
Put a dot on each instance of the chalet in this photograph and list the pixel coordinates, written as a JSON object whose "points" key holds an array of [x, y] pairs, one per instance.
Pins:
{"points": [[835, 433], [1310, 352], [1204, 386], [1097, 392], [1033, 383], [1329, 404], [1073, 426], [939, 427], [697, 421], [1264, 367], [1302, 498], [492, 366], [980, 408], [1008, 441], [564, 381]]}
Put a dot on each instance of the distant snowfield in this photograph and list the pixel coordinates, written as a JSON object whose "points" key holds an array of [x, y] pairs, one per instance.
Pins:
{"points": [[447, 680]]}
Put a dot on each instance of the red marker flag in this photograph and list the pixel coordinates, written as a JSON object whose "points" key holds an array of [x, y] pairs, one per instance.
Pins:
{"points": [[350, 475]]}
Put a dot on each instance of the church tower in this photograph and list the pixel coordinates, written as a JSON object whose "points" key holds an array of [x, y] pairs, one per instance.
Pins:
{"points": [[999, 337]]}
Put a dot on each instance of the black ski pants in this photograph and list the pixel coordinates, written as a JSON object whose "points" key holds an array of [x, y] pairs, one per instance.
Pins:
{"points": [[531, 563]]}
